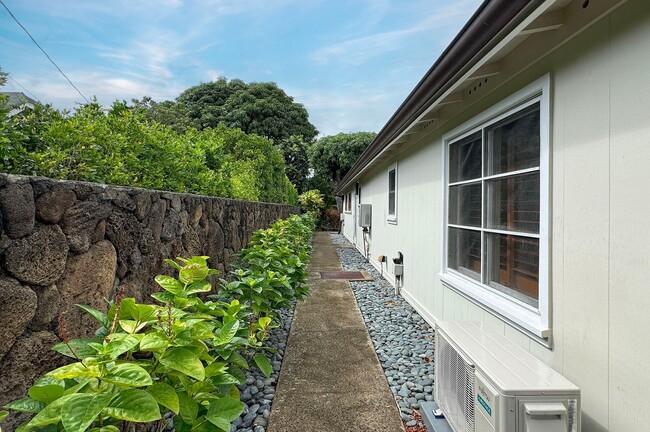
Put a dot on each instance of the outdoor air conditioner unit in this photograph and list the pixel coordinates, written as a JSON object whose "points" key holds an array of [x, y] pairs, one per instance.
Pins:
{"points": [[485, 382], [365, 215]]}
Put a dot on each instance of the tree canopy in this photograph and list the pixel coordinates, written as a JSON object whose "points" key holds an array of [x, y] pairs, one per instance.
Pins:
{"points": [[262, 109], [120, 147], [167, 112], [296, 159], [332, 156]]}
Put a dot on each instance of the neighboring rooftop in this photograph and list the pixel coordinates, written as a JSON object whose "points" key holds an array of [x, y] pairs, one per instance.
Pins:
{"points": [[18, 102], [17, 99]]}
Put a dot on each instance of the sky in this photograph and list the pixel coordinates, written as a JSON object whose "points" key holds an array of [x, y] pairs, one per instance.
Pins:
{"points": [[351, 63]]}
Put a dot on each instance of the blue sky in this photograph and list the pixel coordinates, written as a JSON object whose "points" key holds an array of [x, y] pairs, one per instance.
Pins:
{"points": [[350, 62]]}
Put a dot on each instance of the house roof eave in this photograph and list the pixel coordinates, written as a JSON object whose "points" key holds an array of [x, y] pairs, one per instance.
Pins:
{"points": [[491, 23]]}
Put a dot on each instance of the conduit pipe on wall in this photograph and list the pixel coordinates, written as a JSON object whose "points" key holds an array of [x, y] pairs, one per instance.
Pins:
{"points": [[366, 243], [398, 271]]}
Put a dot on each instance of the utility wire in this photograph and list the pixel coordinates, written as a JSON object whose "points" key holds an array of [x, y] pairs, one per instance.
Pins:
{"points": [[46, 54], [22, 87]]}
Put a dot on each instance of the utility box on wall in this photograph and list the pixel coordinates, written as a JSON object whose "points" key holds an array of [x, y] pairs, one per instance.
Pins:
{"points": [[365, 215]]}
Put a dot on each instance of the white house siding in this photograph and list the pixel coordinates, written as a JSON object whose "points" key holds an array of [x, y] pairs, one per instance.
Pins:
{"points": [[600, 244]]}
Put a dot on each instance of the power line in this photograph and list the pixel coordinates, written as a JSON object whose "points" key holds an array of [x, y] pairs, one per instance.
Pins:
{"points": [[46, 54], [22, 87]]}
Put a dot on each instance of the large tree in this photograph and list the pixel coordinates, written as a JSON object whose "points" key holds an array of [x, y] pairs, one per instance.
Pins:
{"points": [[263, 109], [167, 112], [332, 156], [296, 160]]}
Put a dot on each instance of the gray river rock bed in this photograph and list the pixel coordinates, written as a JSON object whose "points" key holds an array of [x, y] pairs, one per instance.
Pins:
{"points": [[403, 340]]}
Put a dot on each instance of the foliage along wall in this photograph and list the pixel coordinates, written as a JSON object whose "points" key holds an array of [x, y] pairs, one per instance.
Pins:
{"points": [[66, 242], [119, 146]]}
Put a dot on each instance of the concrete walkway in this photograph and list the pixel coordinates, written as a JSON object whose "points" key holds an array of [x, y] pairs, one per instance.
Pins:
{"points": [[331, 380]]}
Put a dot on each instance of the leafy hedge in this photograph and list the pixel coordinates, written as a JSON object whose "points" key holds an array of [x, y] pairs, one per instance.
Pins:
{"points": [[183, 355], [273, 268], [120, 147]]}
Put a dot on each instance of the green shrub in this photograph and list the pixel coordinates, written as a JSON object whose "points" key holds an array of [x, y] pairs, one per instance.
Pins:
{"points": [[120, 147], [184, 355], [312, 200], [272, 270], [181, 356]]}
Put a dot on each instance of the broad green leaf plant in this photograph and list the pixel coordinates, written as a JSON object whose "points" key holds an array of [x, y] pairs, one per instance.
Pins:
{"points": [[272, 270], [184, 355]]}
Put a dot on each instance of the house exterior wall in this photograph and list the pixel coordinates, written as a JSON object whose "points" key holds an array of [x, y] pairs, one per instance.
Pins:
{"points": [[600, 248]]}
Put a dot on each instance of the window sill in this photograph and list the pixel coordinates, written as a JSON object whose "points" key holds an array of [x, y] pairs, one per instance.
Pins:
{"points": [[521, 315], [392, 220], [348, 212]]}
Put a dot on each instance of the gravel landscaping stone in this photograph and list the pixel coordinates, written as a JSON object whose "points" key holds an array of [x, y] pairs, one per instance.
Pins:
{"points": [[403, 340]]}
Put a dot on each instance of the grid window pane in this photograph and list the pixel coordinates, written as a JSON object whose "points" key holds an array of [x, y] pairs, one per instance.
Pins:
{"points": [[465, 158], [464, 252], [513, 203], [494, 183], [514, 266], [465, 204], [513, 143]]}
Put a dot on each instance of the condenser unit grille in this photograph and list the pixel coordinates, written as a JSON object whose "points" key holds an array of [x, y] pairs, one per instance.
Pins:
{"points": [[454, 386]]}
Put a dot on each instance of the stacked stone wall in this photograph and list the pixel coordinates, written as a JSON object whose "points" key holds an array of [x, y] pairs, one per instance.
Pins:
{"points": [[64, 243]]}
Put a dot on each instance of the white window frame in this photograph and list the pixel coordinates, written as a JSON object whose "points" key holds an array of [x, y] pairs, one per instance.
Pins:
{"points": [[347, 205], [391, 218], [534, 320]]}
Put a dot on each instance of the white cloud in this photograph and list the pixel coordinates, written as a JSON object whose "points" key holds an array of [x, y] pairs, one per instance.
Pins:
{"points": [[106, 86], [351, 107], [214, 74], [373, 13], [146, 10], [173, 35], [359, 50]]}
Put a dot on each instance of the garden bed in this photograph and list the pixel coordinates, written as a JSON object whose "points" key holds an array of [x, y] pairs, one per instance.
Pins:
{"points": [[402, 339]]}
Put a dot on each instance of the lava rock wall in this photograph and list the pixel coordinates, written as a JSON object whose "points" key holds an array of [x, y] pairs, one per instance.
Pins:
{"points": [[64, 243]]}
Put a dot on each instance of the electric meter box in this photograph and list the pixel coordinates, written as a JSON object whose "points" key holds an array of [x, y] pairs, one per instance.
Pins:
{"points": [[365, 215]]}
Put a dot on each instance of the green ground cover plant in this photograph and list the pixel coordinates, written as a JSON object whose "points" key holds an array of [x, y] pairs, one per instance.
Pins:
{"points": [[185, 354]]}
